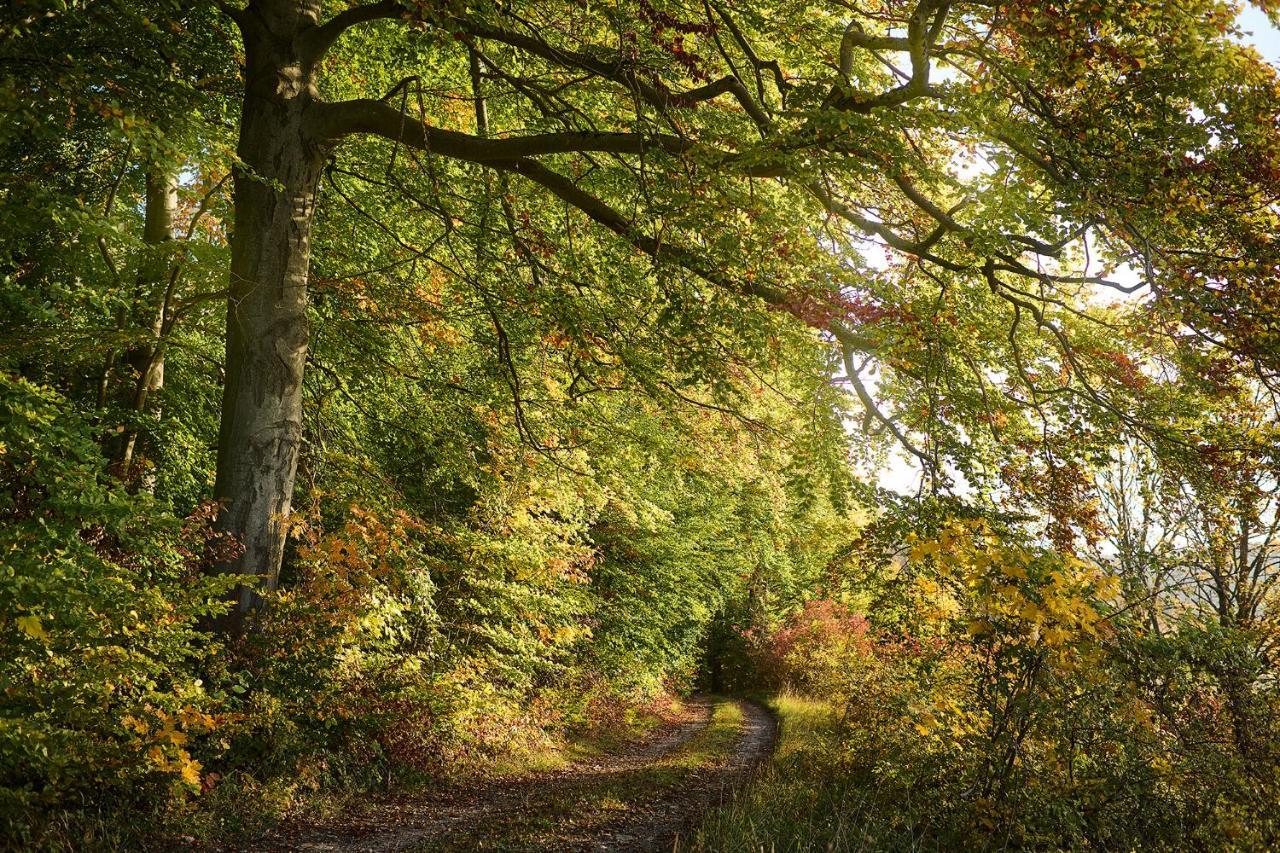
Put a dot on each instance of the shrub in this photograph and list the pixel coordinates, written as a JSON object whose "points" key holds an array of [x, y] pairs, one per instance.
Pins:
{"points": [[101, 593], [816, 649], [1018, 708]]}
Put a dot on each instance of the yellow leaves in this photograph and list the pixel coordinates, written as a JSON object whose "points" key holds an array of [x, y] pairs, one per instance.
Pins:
{"points": [[194, 719], [1056, 636], [555, 390], [1013, 570], [563, 635], [179, 763], [1015, 595], [166, 740], [190, 772], [32, 627], [942, 718], [137, 726], [980, 628], [934, 601], [925, 549], [1108, 588], [434, 335]]}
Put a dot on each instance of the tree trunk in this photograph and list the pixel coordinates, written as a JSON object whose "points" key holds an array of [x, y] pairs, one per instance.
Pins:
{"points": [[154, 278], [266, 347]]}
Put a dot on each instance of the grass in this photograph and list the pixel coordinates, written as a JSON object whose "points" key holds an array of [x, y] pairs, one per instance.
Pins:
{"points": [[796, 803], [556, 753]]}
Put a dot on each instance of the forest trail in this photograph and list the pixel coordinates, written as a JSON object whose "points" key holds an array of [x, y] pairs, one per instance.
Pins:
{"points": [[640, 798]]}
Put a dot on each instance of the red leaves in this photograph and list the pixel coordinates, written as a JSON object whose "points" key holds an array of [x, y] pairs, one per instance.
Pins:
{"points": [[814, 644], [204, 546], [662, 21], [659, 22], [1122, 368], [1064, 491], [819, 309]]}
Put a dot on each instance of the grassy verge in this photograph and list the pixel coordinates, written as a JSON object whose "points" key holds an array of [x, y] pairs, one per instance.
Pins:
{"points": [[799, 802], [633, 724]]}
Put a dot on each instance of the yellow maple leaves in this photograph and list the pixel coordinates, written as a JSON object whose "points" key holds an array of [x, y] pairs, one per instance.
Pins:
{"points": [[1013, 594], [33, 628]]}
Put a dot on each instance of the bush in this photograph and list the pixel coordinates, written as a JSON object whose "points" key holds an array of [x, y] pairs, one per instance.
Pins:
{"points": [[1018, 708], [818, 649], [101, 593]]}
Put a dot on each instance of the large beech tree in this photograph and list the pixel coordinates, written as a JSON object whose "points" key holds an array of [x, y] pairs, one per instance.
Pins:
{"points": [[971, 144], [560, 343]]}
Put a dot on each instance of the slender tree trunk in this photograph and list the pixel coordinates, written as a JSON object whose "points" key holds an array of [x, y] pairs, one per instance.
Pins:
{"points": [[266, 347], [154, 277]]}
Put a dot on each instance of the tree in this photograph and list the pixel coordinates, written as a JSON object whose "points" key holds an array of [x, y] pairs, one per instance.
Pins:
{"points": [[548, 327], [662, 119]]}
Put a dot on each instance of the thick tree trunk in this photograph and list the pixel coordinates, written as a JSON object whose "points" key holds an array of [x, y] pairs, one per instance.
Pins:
{"points": [[261, 431]]}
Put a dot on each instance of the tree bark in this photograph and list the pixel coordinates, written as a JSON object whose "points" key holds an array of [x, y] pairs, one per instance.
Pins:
{"points": [[154, 276], [267, 329]]}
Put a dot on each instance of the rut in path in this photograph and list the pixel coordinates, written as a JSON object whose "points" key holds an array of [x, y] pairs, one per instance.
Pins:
{"points": [[460, 821]]}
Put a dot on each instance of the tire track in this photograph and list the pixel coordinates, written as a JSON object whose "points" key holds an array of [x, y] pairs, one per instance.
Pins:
{"points": [[441, 822]]}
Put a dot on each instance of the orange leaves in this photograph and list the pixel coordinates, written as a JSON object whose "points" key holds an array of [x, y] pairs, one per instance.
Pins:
{"points": [[365, 542], [574, 571], [352, 585]]}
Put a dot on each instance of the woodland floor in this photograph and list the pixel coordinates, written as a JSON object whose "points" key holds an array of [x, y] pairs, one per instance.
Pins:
{"points": [[642, 797]]}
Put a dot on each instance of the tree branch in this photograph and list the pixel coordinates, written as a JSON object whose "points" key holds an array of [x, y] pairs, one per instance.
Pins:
{"points": [[314, 43], [869, 404], [620, 71], [923, 30], [603, 214], [334, 121]]}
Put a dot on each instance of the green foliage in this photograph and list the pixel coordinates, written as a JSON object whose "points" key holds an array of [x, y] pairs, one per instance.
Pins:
{"points": [[565, 451], [102, 593]]}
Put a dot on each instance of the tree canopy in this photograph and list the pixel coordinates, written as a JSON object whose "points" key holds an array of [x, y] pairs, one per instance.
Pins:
{"points": [[412, 373]]}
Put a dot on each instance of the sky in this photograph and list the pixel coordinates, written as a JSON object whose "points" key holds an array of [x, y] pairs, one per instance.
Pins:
{"points": [[901, 475], [1261, 34]]}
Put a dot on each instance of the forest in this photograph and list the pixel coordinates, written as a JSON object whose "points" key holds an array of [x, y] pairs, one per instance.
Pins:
{"points": [[699, 425]]}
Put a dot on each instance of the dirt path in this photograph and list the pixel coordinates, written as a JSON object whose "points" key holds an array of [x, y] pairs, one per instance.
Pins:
{"points": [[663, 820], [639, 799]]}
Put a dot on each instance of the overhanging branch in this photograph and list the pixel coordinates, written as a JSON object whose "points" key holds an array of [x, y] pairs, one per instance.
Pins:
{"points": [[365, 115]]}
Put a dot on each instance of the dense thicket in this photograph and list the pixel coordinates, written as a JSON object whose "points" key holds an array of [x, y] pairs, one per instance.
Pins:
{"points": [[389, 386]]}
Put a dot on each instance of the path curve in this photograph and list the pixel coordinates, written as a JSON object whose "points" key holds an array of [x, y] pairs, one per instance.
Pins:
{"points": [[656, 825], [677, 812]]}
